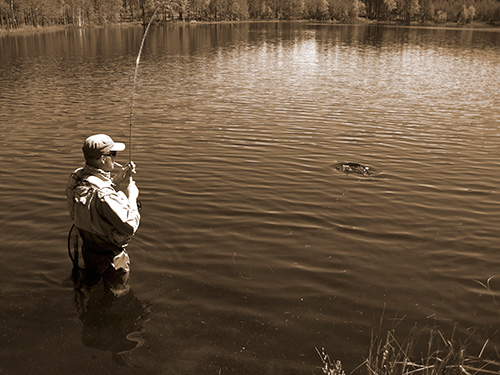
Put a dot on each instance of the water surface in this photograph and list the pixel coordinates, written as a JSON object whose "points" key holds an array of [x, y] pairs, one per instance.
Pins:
{"points": [[253, 249]]}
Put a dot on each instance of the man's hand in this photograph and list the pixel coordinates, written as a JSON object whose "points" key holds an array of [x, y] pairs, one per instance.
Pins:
{"points": [[124, 174], [132, 191]]}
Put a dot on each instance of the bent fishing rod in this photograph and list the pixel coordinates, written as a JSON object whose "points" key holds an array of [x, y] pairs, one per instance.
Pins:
{"points": [[136, 72], [74, 239]]}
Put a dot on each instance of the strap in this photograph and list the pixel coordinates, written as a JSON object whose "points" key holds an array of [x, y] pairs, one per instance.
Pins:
{"points": [[102, 187], [97, 182]]}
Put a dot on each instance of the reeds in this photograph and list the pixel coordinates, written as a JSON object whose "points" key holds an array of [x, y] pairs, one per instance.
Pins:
{"points": [[330, 367], [441, 356], [490, 290], [424, 351]]}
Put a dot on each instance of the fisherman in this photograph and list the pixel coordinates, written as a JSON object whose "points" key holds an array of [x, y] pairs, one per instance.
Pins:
{"points": [[105, 212]]}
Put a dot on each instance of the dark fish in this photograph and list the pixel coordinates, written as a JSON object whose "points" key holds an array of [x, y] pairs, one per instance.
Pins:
{"points": [[354, 168]]}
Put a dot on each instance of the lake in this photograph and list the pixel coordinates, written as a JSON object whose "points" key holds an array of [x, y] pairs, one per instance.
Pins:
{"points": [[254, 249]]}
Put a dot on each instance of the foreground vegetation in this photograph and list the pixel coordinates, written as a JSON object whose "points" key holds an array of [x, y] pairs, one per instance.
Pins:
{"points": [[442, 356], [36, 13], [424, 351]]}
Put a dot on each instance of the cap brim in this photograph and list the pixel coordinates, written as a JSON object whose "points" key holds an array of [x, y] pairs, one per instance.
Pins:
{"points": [[118, 147]]}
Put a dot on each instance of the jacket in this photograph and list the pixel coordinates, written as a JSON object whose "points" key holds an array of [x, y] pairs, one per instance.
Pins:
{"points": [[98, 209]]}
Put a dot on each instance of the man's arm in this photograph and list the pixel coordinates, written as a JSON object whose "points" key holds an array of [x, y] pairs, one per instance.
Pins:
{"points": [[121, 211]]}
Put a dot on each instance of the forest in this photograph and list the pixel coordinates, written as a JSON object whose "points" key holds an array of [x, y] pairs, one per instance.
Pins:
{"points": [[40, 13]]}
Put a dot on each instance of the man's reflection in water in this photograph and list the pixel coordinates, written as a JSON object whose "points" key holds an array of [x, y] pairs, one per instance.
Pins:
{"points": [[111, 324]]}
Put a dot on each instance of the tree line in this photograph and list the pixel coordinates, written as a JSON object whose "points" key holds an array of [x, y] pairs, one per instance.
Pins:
{"points": [[36, 13]]}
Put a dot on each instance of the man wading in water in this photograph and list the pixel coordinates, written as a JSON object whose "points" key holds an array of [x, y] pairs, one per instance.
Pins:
{"points": [[104, 210]]}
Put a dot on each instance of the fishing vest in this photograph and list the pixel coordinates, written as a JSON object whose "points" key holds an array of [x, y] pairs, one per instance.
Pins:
{"points": [[85, 193]]}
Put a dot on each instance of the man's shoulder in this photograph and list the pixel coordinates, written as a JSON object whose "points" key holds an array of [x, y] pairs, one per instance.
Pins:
{"points": [[98, 182], [75, 178], [103, 187]]}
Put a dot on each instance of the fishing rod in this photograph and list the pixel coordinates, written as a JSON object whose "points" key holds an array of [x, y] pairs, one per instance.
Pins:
{"points": [[134, 84], [75, 242], [135, 79]]}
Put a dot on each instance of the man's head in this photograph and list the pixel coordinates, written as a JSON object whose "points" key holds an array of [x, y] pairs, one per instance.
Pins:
{"points": [[99, 151]]}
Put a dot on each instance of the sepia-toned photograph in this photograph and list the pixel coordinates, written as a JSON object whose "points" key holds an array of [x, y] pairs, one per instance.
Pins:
{"points": [[250, 187]]}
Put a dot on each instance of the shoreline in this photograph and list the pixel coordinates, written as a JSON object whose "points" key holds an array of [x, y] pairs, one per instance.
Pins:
{"points": [[30, 30]]}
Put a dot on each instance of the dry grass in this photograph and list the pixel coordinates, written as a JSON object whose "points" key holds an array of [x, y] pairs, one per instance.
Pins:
{"points": [[444, 356], [427, 351], [424, 351], [330, 367], [441, 356], [388, 356]]}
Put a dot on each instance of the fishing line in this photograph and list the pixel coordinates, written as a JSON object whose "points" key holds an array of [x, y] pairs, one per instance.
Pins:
{"points": [[135, 81]]}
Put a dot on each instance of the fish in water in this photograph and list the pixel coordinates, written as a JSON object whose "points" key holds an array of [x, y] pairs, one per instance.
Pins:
{"points": [[354, 168]]}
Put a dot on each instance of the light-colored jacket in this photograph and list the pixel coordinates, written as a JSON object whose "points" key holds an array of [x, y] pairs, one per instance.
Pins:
{"points": [[96, 207]]}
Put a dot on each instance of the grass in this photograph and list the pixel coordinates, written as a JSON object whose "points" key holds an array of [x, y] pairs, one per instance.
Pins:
{"points": [[330, 367], [424, 351], [490, 290], [388, 356]]}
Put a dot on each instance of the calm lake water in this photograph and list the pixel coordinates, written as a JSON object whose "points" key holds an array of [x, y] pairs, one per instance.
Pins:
{"points": [[253, 249]]}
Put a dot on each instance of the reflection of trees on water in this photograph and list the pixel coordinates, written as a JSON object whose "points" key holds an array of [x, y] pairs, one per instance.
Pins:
{"points": [[110, 324]]}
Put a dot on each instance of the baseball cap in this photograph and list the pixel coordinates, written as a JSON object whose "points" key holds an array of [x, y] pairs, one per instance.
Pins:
{"points": [[100, 144]]}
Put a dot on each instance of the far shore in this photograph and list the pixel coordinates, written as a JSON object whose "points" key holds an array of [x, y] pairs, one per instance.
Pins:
{"points": [[28, 30]]}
